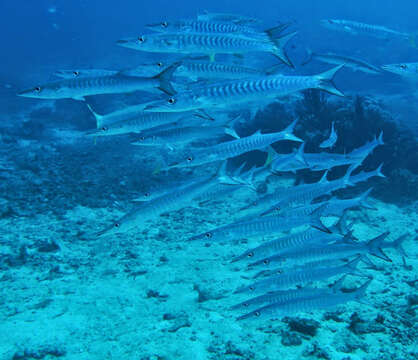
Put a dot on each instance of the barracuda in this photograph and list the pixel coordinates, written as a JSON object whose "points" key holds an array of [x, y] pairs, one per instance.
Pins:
{"points": [[211, 27], [77, 88], [300, 277], [225, 93], [349, 62], [235, 148], [135, 122], [264, 226], [358, 28], [322, 300], [209, 44]]}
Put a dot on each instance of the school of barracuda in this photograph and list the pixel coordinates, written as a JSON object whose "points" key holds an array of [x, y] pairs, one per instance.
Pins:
{"points": [[195, 99]]}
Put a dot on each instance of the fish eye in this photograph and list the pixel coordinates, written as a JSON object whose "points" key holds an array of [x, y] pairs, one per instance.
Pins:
{"points": [[164, 24], [171, 101], [142, 138], [277, 208], [189, 159], [38, 89], [104, 128], [208, 235], [117, 225], [146, 194], [76, 73], [245, 304], [251, 254], [251, 288], [403, 66], [257, 313], [141, 39], [160, 64], [266, 262]]}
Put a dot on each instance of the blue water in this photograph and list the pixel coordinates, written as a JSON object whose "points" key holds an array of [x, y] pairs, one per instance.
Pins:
{"points": [[145, 291]]}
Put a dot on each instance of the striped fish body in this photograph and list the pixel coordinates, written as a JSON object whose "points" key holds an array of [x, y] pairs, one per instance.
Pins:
{"points": [[178, 135], [225, 93], [295, 278], [150, 210], [352, 63], [280, 297], [207, 27], [304, 194], [210, 70], [137, 123], [230, 149], [293, 241], [327, 299], [358, 28], [197, 43], [78, 73], [242, 91], [267, 226], [77, 88]]}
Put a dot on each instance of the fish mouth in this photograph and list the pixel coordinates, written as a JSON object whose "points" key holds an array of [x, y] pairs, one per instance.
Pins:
{"points": [[158, 106]]}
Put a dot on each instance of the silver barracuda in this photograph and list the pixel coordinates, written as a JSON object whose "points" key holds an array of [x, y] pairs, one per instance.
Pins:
{"points": [[358, 28], [209, 44], [230, 149], [225, 93], [78, 88]]}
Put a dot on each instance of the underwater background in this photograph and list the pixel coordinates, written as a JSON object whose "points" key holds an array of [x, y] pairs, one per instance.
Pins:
{"points": [[151, 293]]}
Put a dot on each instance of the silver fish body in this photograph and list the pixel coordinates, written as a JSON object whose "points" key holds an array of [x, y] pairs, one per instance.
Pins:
{"points": [[236, 147], [358, 28], [225, 93], [320, 301]]}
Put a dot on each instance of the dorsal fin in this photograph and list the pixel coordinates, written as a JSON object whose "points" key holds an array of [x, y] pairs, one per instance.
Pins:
{"points": [[324, 177]]}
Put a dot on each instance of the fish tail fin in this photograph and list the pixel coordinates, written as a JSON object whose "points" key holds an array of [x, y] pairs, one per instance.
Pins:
{"points": [[380, 139], [346, 179], [315, 220], [375, 246], [397, 244], [378, 171], [352, 266], [279, 44], [338, 284], [363, 200], [300, 155], [326, 81], [288, 132], [276, 30], [229, 127], [361, 291], [164, 79], [271, 155], [309, 58], [97, 116]]}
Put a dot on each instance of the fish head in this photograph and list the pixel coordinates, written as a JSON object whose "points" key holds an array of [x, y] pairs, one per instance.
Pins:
{"points": [[151, 43], [68, 74], [189, 160], [176, 103], [333, 24], [164, 27], [147, 140], [399, 69], [43, 92], [114, 129], [113, 229], [148, 70]]}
